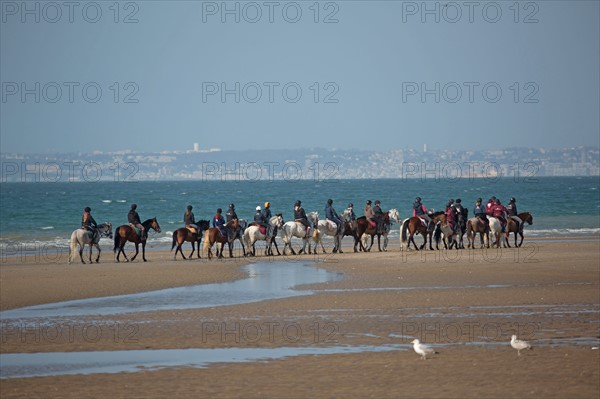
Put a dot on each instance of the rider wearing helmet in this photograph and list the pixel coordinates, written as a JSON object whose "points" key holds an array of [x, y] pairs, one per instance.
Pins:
{"points": [[499, 211], [230, 214], [266, 215], [350, 212], [490, 204], [370, 214], [87, 221], [512, 212], [461, 214], [420, 211], [188, 218], [479, 211], [300, 216], [331, 214], [378, 215], [219, 222], [134, 221]]}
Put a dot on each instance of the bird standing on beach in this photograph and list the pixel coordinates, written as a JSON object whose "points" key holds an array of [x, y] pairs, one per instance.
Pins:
{"points": [[422, 349], [519, 344]]}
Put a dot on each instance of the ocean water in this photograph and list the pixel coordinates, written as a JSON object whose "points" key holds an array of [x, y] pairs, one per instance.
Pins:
{"points": [[47, 213]]}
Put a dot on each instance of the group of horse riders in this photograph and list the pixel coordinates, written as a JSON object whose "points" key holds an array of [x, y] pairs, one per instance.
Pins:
{"points": [[456, 215]]}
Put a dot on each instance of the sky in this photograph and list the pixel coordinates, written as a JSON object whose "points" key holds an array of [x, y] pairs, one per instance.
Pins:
{"points": [[372, 75]]}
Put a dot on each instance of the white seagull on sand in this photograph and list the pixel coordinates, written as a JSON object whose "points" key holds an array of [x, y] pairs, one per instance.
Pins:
{"points": [[422, 349], [519, 344]]}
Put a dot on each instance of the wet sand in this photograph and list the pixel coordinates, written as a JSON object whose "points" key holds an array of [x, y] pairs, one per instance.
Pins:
{"points": [[468, 303]]}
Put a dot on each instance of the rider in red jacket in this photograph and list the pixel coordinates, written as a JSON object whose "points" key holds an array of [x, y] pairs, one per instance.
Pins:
{"points": [[499, 211]]}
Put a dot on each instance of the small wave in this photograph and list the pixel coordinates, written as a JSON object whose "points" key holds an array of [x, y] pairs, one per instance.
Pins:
{"points": [[121, 200], [563, 232], [107, 201], [47, 228]]}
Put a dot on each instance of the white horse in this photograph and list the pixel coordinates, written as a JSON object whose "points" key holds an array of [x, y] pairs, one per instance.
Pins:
{"points": [[253, 234], [385, 230], [81, 237], [496, 229], [297, 229], [327, 227]]}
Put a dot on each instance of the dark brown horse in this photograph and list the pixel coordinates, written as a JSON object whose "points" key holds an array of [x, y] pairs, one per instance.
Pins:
{"points": [[184, 234], [213, 235], [512, 227], [364, 227], [126, 233], [414, 225], [474, 226]]}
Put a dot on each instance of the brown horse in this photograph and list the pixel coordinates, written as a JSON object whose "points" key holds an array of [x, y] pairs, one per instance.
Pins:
{"points": [[364, 227], [184, 234], [213, 235], [512, 227], [474, 226], [414, 225], [126, 233]]}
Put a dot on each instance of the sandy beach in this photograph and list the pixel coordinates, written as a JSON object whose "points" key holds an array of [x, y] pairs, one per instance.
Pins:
{"points": [[466, 303]]}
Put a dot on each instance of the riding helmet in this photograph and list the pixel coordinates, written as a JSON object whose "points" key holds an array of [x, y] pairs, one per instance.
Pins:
{"points": [[219, 210], [267, 204], [512, 199], [458, 200], [189, 207], [133, 206], [479, 199], [351, 205], [497, 200], [377, 202], [368, 202], [329, 201], [418, 199], [87, 209], [298, 203], [258, 208]]}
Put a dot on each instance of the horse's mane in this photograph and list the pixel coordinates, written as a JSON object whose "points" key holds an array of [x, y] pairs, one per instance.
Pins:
{"points": [[436, 213], [148, 221]]}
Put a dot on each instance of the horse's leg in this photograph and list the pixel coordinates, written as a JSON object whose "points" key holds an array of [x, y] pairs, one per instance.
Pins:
{"points": [[91, 244], [276, 249], [99, 250], [521, 234], [430, 238], [144, 250], [81, 253], [137, 251]]}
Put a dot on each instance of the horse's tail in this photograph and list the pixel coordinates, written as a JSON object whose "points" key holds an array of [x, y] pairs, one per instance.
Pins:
{"points": [[437, 234], [205, 243], [174, 240], [117, 241], [247, 237], [73, 246], [403, 230]]}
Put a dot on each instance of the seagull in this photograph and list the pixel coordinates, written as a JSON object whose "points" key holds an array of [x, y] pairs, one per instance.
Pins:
{"points": [[519, 344], [422, 349]]}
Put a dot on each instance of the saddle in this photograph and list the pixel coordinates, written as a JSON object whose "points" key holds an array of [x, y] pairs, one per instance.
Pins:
{"points": [[137, 230], [191, 229], [372, 224], [423, 221], [263, 230]]}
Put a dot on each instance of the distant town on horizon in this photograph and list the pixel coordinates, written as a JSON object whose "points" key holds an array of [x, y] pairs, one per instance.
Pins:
{"points": [[297, 164]]}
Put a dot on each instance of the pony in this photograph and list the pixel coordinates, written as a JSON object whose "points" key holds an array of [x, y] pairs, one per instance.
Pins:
{"points": [[496, 230], [512, 227], [442, 231], [414, 225], [253, 234], [213, 235], [126, 233], [297, 229], [474, 226], [81, 237], [349, 228], [184, 234], [327, 227], [386, 219]]}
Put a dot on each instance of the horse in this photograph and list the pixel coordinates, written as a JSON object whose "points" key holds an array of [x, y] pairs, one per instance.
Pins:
{"points": [[81, 237], [297, 229], [126, 233], [443, 227], [184, 234], [496, 229], [461, 227], [328, 227], [386, 220], [253, 234], [474, 226], [512, 227], [349, 228], [213, 235], [415, 225]]}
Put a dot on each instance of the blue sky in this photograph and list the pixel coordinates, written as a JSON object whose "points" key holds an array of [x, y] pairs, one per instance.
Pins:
{"points": [[368, 74]]}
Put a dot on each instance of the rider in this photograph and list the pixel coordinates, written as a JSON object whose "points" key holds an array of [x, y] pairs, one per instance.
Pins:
{"points": [[219, 222], [189, 220], [230, 214], [479, 211], [499, 211], [420, 211], [370, 214], [512, 212], [461, 213], [134, 220], [266, 215], [331, 214], [350, 212], [378, 215], [87, 221], [450, 217], [490, 204], [300, 216]]}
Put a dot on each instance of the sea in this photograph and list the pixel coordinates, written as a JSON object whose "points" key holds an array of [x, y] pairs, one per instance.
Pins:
{"points": [[46, 213]]}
